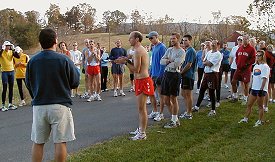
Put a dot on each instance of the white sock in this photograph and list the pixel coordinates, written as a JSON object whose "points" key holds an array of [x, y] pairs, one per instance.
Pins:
{"points": [[174, 118], [245, 98], [234, 95]]}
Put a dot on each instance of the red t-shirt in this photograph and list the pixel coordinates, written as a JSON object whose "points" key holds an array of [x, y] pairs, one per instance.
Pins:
{"points": [[270, 59], [245, 57]]}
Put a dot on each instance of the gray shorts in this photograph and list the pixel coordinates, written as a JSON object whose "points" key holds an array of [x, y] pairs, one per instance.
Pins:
{"points": [[118, 69], [52, 119]]}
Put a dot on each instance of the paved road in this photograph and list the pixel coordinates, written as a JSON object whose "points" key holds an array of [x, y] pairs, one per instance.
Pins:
{"points": [[94, 122]]}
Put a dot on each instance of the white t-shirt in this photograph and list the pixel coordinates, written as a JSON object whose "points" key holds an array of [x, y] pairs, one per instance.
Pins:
{"points": [[233, 56], [260, 71], [76, 57], [215, 58]]}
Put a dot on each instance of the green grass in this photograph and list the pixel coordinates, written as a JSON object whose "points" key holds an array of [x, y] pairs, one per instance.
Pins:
{"points": [[218, 138]]}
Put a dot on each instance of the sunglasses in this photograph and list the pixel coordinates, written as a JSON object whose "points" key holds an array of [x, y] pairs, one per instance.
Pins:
{"points": [[240, 40], [258, 55], [74, 45], [150, 38]]}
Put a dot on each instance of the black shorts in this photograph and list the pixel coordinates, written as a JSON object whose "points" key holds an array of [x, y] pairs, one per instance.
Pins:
{"points": [[256, 93], [225, 67], [170, 84], [187, 83], [272, 76], [117, 69]]}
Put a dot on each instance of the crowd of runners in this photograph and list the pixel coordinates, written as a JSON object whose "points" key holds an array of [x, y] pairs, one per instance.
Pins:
{"points": [[250, 65]]}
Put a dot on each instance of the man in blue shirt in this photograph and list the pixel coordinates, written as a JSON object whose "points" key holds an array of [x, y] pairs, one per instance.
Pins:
{"points": [[225, 67], [51, 91], [188, 76], [156, 72], [200, 67]]}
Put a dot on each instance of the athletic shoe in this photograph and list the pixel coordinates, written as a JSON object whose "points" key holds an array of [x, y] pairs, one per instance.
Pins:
{"points": [[233, 100], [226, 86], [258, 123], [195, 109], [152, 115], [115, 93], [158, 103], [22, 103], [209, 104], [218, 104], [132, 89], [139, 136], [148, 101], [85, 96], [270, 100], [98, 98], [121, 93], [12, 107], [273, 101], [206, 97], [3, 108], [229, 97], [186, 116], [92, 98], [197, 91], [159, 117], [244, 102], [172, 124], [242, 97], [134, 132], [72, 96], [266, 109], [243, 120], [212, 113]]}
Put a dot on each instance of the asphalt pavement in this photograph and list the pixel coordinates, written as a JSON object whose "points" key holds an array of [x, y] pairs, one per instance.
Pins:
{"points": [[95, 122]]}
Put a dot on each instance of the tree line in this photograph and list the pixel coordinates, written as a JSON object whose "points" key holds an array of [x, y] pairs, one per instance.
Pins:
{"points": [[23, 28]]}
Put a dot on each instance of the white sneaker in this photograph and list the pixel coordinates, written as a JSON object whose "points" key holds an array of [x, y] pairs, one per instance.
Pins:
{"points": [[3, 108], [148, 101], [92, 98], [244, 102], [12, 107], [139, 136], [152, 115], [258, 123], [132, 89], [209, 104], [72, 96], [22, 103], [243, 120], [121, 93], [98, 98], [206, 97], [159, 117], [273, 101], [134, 132], [197, 91], [218, 104], [266, 109], [195, 109], [115, 93], [186, 116], [212, 113], [226, 86], [270, 100]]}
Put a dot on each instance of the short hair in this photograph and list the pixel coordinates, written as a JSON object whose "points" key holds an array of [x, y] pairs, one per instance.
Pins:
{"points": [[47, 38], [59, 44], [263, 55], [177, 35], [188, 36], [138, 35]]}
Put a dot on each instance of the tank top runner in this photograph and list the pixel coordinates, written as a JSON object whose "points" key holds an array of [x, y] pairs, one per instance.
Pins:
{"points": [[93, 62]]}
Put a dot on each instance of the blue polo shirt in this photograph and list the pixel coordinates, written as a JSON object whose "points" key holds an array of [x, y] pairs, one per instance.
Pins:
{"points": [[199, 59], [190, 57], [225, 53], [156, 68]]}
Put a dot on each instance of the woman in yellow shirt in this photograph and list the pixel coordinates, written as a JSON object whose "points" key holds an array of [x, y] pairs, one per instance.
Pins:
{"points": [[20, 65]]}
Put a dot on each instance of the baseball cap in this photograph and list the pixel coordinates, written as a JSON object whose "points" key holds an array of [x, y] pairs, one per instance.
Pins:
{"points": [[152, 33], [7, 43], [240, 37]]}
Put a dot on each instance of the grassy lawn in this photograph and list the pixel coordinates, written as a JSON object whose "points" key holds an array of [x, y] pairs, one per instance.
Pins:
{"points": [[218, 138]]}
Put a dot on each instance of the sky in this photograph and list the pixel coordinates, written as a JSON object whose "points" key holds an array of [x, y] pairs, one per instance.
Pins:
{"points": [[180, 10]]}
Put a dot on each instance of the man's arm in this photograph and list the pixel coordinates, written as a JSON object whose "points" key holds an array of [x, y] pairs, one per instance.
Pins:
{"points": [[28, 80], [73, 75]]}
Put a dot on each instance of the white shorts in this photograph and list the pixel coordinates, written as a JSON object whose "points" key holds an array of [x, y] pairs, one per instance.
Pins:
{"points": [[52, 119]]}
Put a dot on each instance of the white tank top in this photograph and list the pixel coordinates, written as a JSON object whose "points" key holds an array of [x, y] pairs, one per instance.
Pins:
{"points": [[93, 62]]}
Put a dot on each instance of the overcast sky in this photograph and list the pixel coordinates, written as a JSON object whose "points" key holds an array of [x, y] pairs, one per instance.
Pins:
{"points": [[180, 10]]}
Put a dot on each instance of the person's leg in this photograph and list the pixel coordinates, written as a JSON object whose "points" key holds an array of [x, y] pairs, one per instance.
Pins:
{"points": [[98, 83], [188, 100], [37, 152], [87, 85], [212, 98], [234, 88], [225, 77], [200, 74], [272, 91], [218, 90], [201, 95], [20, 88], [142, 112], [260, 102], [115, 81], [246, 91], [154, 103], [120, 81], [10, 84], [60, 152], [251, 101]]}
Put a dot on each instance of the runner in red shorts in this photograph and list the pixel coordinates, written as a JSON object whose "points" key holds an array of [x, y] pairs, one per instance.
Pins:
{"points": [[245, 57], [144, 84]]}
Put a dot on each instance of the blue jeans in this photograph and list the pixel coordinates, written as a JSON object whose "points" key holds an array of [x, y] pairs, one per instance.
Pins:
{"points": [[7, 79]]}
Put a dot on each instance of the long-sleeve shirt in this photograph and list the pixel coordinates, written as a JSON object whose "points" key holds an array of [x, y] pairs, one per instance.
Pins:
{"points": [[175, 56], [104, 59], [50, 77], [116, 53], [6, 60], [245, 57], [158, 52], [20, 70]]}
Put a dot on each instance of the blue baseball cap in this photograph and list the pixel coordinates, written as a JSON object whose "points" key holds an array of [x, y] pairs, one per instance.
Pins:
{"points": [[152, 33]]}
